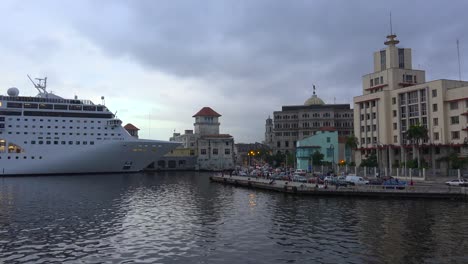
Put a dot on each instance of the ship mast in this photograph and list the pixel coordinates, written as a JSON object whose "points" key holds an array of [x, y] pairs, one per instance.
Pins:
{"points": [[40, 85]]}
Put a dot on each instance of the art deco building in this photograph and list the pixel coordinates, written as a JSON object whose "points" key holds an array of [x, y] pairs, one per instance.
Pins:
{"points": [[395, 97], [296, 122]]}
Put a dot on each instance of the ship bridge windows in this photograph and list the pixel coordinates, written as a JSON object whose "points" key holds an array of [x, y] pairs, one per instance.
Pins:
{"points": [[14, 105], [60, 107], [75, 107], [30, 106], [89, 108], [46, 106]]}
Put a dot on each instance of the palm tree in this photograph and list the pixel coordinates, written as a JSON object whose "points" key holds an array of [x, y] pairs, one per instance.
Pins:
{"points": [[417, 133], [351, 143]]}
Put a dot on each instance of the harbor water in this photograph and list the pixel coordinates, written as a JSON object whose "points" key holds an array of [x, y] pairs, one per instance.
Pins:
{"points": [[182, 217]]}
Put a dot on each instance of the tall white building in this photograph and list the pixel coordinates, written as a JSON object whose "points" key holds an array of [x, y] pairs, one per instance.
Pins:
{"points": [[395, 97]]}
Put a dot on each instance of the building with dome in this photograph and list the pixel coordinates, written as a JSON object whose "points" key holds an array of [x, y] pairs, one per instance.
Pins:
{"points": [[297, 122]]}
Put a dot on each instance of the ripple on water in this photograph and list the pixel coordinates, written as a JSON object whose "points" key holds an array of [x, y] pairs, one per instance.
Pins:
{"points": [[181, 217]]}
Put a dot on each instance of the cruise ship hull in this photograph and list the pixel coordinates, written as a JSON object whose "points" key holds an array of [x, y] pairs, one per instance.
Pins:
{"points": [[108, 157]]}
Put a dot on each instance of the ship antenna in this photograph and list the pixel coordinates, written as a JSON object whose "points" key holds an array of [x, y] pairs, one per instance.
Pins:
{"points": [[40, 85]]}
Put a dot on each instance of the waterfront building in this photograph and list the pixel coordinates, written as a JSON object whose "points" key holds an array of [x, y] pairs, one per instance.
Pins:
{"points": [[297, 122], [213, 150], [394, 97], [132, 130], [326, 142]]}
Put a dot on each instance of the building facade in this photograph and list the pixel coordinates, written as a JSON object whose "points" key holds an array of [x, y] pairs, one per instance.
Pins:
{"points": [[395, 97], [326, 142], [213, 151], [297, 122]]}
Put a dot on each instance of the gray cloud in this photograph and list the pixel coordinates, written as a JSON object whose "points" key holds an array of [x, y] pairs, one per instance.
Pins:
{"points": [[263, 54]]}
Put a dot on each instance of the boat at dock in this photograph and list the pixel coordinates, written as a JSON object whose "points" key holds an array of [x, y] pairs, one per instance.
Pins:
{"points": [[47, 134]]}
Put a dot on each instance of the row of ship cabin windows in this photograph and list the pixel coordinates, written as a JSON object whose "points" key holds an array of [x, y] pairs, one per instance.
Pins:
{"points": [[63, 133], [55, 107], [56, 127], [2, 118], [24, 157], [215, 151], [47, 142]]}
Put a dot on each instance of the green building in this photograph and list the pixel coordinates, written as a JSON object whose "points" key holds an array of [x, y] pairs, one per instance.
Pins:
{"points": [[326, 142]]}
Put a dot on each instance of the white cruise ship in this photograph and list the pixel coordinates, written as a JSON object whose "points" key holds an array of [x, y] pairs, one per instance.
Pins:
{"points": [[47, 134]]}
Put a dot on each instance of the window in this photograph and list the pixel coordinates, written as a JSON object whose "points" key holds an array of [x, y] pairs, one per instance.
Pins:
{"points": [[278, 144], [371, 84], [374, 127], [394, 126], [374, 115], [381, 79], [436, 135], [401, 58], [435, 121], [393, 100], [455, 134], [227, 151], [454, 120], [203, 151], [434, 93], [395, 139], [383, 60], [394, 113], [328, 139], [215, 151], [434, 108], [453, 105], [227, 143], [286, 144]]}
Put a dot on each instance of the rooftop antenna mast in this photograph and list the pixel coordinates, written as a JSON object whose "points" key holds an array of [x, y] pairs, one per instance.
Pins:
{"points": [[40, 85], [391, 29], [459, 65]]}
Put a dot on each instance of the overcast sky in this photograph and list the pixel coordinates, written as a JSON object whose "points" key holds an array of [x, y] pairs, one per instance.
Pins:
{"points": [[158, 62]]}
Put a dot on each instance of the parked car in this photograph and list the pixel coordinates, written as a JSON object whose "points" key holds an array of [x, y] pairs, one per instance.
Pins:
{"points": [[394, 183], [329, 179], [276, 177], [299, 178], [242, 173], [457, 182], [300, 172], [356, 180]]}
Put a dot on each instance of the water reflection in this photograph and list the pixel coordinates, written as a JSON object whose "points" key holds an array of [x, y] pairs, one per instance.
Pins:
{"points": [[180, 217]]}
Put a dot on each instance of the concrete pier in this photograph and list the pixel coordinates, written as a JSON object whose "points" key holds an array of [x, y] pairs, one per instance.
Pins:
{"points": [[422, 192]]}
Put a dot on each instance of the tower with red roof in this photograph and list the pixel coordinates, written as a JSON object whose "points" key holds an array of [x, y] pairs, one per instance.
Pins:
{"points": [[206, 122]]}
